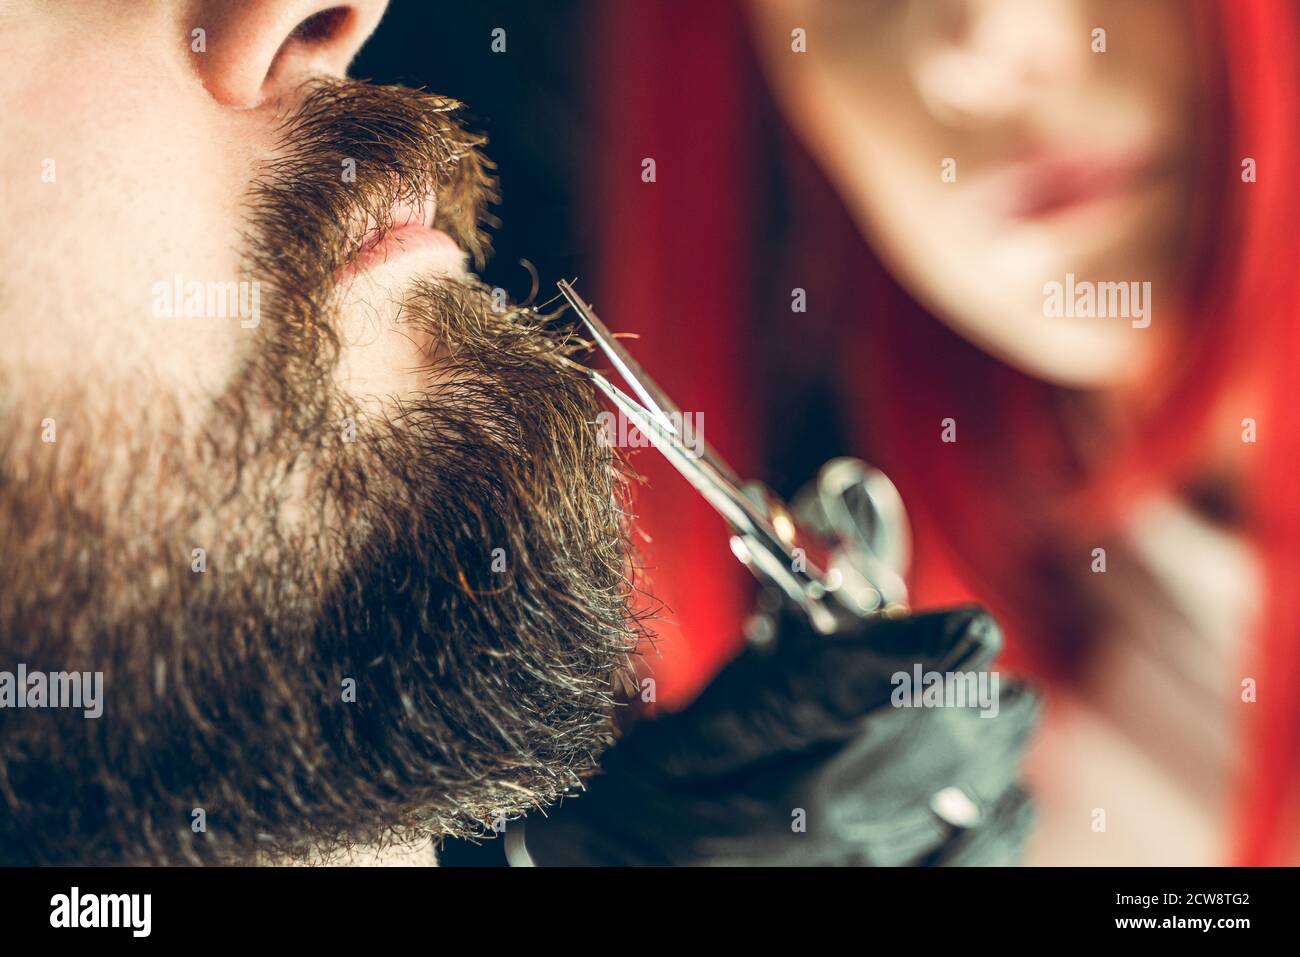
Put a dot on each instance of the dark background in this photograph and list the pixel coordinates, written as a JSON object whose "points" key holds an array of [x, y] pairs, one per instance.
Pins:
{"points": [[534, 103]]}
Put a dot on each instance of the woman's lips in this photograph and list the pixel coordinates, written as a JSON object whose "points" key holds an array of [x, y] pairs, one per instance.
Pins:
{"points": [[1043, 185]]}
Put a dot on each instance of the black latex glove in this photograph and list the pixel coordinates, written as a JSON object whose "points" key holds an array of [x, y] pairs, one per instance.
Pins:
{"points": [[807, 725]]}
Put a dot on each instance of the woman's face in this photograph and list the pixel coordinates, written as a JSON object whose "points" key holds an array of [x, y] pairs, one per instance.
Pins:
{"points": [[1007, 159]]}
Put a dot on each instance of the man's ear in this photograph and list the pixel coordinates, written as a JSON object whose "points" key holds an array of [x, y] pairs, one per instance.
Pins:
{"points": [[256, 50]]}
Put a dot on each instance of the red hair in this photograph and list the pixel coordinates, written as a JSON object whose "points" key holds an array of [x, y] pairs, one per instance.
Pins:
{"points": [[998, 513], [1006, 503]]}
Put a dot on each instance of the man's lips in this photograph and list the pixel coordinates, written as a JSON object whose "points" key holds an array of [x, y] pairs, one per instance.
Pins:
{"points": [[409, 230], [389, 244]]}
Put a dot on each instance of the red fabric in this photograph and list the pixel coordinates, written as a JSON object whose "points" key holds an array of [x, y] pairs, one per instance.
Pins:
{"points": [[674, 256]]}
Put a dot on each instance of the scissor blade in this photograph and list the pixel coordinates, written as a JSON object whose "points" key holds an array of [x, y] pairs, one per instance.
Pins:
{"points": [[654, 398], [651, 396], [768, 555], [720, 492]]}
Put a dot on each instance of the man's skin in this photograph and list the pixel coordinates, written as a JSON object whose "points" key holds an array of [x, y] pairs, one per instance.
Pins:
{"points": [[345, 545]]}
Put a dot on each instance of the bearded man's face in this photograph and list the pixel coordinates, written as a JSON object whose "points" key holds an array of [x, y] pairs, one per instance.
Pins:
{"points": [[337, 527]]}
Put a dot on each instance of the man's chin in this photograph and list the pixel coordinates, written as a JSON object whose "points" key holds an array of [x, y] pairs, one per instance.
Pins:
{"points": [[428, 645], [387, 354]]}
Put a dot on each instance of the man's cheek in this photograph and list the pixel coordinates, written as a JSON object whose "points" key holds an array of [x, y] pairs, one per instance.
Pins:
{"points": [[129, 191]]}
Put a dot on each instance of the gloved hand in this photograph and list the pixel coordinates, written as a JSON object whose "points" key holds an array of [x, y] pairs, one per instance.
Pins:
{"points": [[794, 755]]}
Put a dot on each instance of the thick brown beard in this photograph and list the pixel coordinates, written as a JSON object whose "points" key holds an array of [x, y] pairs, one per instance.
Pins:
{"points": [[483, 679]]}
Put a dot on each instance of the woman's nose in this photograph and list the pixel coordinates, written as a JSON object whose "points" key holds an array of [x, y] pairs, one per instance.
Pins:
{"points": [[980, 61]]}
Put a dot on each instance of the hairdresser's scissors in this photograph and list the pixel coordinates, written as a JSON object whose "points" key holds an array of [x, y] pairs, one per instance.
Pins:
{"points": [[853, 516]]}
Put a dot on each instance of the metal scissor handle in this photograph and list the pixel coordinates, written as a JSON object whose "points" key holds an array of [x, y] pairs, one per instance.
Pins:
{"points": [[858, 510]]}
